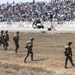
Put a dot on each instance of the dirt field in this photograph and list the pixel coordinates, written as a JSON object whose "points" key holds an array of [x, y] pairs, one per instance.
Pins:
{"points": [[48, 55]]}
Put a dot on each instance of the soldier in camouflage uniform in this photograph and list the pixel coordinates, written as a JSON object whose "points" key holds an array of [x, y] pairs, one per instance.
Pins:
{"points": [[68, 54], [16, 41], [2, 39], [6, 39], [29, 46]]}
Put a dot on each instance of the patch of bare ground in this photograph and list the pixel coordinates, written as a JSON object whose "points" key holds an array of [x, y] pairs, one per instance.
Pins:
{"points": [[48, 55]]}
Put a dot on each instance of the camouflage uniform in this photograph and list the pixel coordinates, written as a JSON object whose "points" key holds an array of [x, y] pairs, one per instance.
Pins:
{"points": [[29, 46], [16, 41], [68, 54], [6, 39], [2, 39]]}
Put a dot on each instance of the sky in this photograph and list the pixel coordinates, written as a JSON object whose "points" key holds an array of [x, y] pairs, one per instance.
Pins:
{"points": [[17, 1]]}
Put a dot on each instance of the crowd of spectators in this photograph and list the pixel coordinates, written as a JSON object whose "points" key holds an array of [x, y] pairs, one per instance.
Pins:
{"points": [[16, 12]]}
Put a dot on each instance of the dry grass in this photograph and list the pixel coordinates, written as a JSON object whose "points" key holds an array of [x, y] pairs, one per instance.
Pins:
{"points": [[48, 55]]}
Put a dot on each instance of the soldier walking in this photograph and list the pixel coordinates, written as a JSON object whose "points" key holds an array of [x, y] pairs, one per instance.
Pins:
{"points": [[68, 54], [2, 39], [29, 46], [6, 39], [16, 41]]}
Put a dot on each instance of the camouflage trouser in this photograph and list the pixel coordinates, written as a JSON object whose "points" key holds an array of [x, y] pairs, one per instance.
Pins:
{"points": [[2, 42], [68, 58], [6, 45], [29, 52], [17, 46]]}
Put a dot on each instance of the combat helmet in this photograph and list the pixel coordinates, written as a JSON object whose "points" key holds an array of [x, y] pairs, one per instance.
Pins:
{"points": [[2, 31], [31, 38], [69, 43], [17, 32], [6, 31]]}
